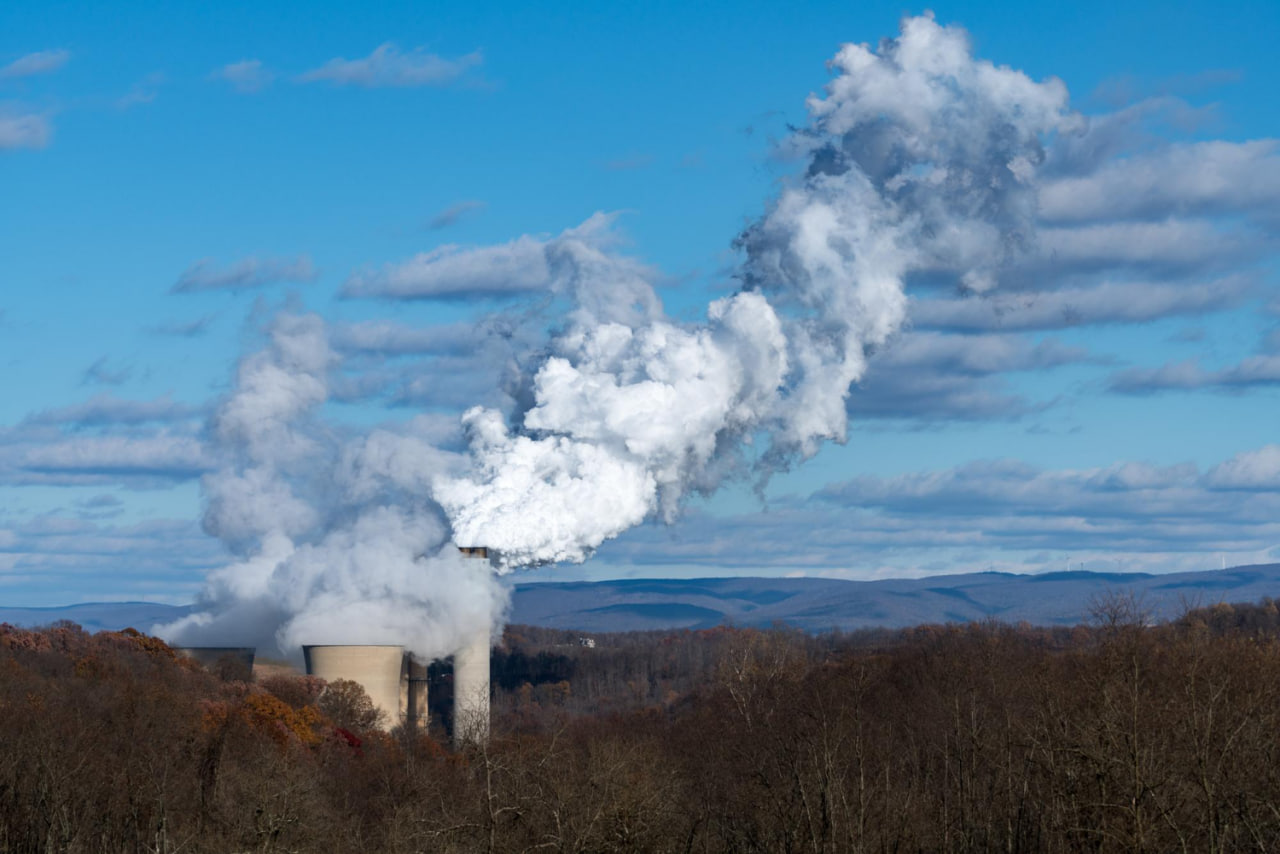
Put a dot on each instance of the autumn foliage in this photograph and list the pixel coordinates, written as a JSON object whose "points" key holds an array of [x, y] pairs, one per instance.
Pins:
{"points": [[1115, 736]]}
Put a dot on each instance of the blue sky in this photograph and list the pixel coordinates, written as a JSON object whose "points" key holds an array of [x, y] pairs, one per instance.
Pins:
{"points": [[173, 176]]}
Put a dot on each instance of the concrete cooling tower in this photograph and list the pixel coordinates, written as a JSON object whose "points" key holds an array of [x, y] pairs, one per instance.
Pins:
{"points": [[471, 691], [414, 694], [397, 684], [377, 669], [471, 678]]}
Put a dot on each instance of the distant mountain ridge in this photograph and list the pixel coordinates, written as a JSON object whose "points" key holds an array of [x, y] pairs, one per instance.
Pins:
{"points": [[98, 616], [812, 604], [818, 604]]}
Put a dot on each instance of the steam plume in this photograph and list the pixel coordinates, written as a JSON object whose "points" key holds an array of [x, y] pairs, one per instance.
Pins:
{"points": [[918, 159], [339, 539]]}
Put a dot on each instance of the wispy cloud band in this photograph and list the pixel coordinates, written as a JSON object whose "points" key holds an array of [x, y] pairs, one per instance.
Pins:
{"points": [[387, 66], [246, 274], [40, 62]]}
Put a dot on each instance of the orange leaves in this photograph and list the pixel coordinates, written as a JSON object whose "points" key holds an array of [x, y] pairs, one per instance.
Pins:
{"points": [[215, 715], [143, 643], [262, 712], [297, 691], [270, 714], [14, 638]]}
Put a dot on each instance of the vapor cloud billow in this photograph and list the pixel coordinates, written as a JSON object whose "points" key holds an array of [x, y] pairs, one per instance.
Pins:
{"points": [[337, 537], [918, 158], [578, 264]]}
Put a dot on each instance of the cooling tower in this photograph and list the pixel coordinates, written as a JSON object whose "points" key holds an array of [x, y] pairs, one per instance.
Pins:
{"points": [[211, 656], [415, 694], [471, 678], [471, 690], [375, 668]]}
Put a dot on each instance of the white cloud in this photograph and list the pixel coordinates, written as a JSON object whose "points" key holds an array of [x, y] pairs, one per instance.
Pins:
{"points": [[93, 459], [157, 559], [453, 271], [246, 76], [142, 92], [1167, 244], [102, 373], [1110, 302], [41, 62], [936, 397], [245, 274], [105, 409], [1004, 513], [1257, 370], [1010, 487], [23, 130], [1126, 88], [973, 354], [386, 337], [388, 66], [1008, 517], [1258, 469], [1204, 177], [933, 377], [577, 263], [455, 212], [452, 382]]}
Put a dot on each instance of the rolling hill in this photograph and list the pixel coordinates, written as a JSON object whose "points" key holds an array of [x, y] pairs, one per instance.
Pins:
{"points": [[812, 604]]}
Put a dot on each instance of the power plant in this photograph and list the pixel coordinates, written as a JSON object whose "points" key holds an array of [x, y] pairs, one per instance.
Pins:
{"points": [[471, 677], [375, 668], [397, 683], [471, 691], [393, 679]]}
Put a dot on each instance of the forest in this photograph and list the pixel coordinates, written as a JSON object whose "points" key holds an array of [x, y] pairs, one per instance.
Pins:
{"points": [[1118, 735]]}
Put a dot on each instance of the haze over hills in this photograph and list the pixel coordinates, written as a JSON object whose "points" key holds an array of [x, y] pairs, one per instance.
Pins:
{"points": [[97, 616], [812, 604], [816, 604]]}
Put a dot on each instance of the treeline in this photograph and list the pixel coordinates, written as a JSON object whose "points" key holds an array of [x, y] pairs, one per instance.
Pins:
{"points": [[1117, 736]]}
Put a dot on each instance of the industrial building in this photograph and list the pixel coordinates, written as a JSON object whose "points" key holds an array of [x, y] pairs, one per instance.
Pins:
{"points": [[397, 683], [394, 680], [377, 668]]}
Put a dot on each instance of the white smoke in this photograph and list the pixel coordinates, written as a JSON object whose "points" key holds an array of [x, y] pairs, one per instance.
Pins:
{"points": [[340, 539], [918, 159]]}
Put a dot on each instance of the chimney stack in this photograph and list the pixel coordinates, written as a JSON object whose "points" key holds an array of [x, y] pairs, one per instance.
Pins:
{"points": [[471, 678], [414, 694]]}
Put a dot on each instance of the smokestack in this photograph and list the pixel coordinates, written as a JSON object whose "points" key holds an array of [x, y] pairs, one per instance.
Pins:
{"points": [[415, 694], [375, 668], [471, 678]]}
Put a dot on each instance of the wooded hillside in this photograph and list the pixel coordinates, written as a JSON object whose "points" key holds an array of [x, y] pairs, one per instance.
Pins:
{"points": [[1115, 736]]}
